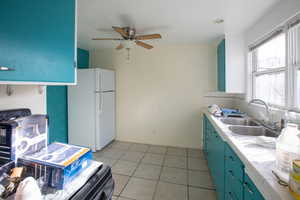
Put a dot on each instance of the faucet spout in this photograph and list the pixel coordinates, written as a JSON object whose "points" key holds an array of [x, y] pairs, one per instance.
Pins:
{"points": [[262, 103], [267, 124]]}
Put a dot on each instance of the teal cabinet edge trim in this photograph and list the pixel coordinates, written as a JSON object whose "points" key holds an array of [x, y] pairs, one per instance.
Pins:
{"points": [[83, 57], [221, 66], [57, 104]]}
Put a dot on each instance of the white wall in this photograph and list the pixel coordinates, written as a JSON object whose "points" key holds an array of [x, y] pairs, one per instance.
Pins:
{"points": [[24, 96], [160, 92]]}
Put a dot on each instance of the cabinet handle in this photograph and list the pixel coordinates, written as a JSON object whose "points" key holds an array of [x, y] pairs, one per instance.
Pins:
{"points": [[3, 68], [248, 188], [231, 158], [231, 173], [230, 195]]}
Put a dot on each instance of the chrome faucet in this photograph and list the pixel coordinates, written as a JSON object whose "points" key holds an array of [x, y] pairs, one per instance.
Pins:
{"points": [[269, 124]]}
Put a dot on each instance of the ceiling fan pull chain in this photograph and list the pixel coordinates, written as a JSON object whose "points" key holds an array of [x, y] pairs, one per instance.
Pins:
{"points": [[128, 53]]}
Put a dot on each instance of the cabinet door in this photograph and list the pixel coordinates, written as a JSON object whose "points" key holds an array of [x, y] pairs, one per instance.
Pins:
{"points": [[38, 41], [221, 66], [220, 167]]}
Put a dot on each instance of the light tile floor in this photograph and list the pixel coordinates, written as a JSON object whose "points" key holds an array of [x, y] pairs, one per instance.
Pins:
{"points": [[148, 172]]}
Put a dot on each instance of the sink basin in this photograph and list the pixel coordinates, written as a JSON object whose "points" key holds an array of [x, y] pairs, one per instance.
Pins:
{"points": [[239, 121], [253, 131]]}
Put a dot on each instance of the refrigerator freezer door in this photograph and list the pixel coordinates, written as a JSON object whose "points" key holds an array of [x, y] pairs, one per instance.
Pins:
{"points": [[107, 118], [107, 80]]}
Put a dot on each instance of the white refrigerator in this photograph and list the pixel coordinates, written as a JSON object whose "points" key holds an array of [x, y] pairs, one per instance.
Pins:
{"points": [[91, 108]]}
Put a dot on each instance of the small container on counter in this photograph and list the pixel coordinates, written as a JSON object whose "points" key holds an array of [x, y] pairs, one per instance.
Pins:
{"points": [[294, 180]]}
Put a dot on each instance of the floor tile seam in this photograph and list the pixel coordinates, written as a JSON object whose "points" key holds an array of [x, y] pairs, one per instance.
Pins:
{"points": [[174, 167], [161, 169], [187, 166], [180, 184], [198, 170], [130, 177], [138, 164], [202, 187], [122, 175]]}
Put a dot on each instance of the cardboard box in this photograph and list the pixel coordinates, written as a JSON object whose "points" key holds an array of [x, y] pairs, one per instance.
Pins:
{"points": [[57, 164]]}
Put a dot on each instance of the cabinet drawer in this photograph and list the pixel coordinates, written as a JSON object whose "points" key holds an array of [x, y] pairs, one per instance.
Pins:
{"points": [[231, 196], [234, 164], [250, 190], [234, 185]]}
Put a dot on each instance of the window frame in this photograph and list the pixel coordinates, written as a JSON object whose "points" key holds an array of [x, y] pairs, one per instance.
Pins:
{"points": [[255, 73], [291, 67]]}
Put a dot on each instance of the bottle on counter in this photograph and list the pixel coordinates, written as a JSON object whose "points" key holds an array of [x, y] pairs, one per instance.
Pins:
{"points": [[287, 150]]}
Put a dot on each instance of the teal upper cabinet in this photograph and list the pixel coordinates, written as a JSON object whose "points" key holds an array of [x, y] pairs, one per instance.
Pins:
{"points": [[37, 41], [221, 66]]}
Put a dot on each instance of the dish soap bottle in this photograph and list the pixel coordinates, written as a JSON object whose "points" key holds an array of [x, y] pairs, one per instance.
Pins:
{"points": [[287, 150]]}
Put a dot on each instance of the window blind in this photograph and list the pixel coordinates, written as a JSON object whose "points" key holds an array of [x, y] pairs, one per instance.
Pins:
{"points": [[266, 38]]}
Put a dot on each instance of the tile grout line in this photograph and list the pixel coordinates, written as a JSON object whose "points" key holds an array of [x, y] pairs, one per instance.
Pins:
{"points": [[117, 160], [187, 167], [123, 175], [161, 169], [131, 176]]}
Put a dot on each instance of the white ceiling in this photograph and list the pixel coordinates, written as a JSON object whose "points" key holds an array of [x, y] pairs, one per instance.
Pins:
{"points": [[178, 21]]}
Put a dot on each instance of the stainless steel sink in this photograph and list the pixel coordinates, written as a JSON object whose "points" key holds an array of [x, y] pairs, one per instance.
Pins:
{"points": [[239, 121], [253, 131]]}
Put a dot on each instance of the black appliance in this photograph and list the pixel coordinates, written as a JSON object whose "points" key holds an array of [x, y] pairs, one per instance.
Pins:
{"points": [[21, 133], [99, 187]]}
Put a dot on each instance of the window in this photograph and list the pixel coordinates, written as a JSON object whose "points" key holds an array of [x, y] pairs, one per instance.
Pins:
{"points": [[269, 70], [275, 67]]}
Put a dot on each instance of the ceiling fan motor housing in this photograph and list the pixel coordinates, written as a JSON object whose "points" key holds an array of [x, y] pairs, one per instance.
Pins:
{"points": [[130, 32]]}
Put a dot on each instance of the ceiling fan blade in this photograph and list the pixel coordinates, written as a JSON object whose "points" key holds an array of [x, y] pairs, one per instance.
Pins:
{"points": [[106, 39], [148, 37], [121, 31], [119, 47], [142, 44]]}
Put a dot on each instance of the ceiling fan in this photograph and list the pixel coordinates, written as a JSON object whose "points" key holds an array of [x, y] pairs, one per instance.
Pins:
{"points": [[129, 34]]}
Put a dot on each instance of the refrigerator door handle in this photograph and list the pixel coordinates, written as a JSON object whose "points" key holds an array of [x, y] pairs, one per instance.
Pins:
{"points": [[101, 102]]}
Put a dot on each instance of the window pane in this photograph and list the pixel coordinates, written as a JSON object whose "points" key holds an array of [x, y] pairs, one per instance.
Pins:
{"points": [[270, 88], [271, 54]]}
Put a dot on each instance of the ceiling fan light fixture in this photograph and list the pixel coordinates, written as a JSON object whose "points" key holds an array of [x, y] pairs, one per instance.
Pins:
{"points": [[128, 44], [218, 21]]}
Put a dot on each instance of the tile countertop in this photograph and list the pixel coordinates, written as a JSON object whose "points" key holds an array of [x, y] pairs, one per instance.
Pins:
{"points": [[259, 161]]}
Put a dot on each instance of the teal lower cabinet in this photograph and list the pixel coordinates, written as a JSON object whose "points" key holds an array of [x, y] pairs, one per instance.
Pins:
{"points": [[227, 170], [250, 190], [205, 135], [234, 175], [214, 151]]}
